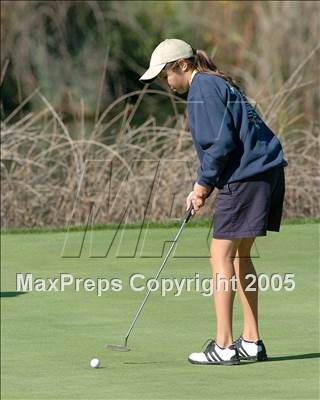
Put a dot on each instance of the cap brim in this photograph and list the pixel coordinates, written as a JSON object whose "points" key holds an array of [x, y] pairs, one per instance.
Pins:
{"points": [[151, 73]]}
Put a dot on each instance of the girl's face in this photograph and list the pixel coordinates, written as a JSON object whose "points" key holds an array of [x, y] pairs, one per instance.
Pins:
{"points": [[177, 80]]}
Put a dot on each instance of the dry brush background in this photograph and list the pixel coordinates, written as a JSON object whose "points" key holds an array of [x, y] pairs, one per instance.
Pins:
{"points": [[82, 139]]}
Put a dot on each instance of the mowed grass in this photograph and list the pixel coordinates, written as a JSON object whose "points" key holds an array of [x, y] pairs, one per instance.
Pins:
{"points": [[49, 338]]}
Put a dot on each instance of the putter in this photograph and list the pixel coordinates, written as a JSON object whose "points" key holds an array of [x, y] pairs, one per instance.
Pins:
{"points": [[124, 347]]}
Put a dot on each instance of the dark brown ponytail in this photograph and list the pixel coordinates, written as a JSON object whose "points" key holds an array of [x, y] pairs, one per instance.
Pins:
{"points": [[203, 63]]}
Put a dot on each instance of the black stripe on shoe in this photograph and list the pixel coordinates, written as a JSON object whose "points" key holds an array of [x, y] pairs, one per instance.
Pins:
{"points": [[211, 354], [260, 356], [209, 357], [216, 354], [242, 351]]}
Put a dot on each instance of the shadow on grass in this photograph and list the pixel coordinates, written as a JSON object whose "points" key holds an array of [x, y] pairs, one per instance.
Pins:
{"points": [[167, 362], [280, 358], [11, 294], [295, 357]]}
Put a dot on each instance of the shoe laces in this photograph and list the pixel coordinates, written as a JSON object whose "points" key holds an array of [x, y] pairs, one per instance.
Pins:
{"points": [[207, 345]]}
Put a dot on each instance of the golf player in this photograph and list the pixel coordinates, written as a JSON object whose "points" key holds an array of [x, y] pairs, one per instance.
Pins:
{"points": [[241, 157]]}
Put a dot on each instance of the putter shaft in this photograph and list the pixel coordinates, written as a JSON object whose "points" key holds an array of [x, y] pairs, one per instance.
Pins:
{"points": [[186, 219]]}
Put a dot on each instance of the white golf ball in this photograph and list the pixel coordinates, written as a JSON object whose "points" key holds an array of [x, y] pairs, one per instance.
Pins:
{"points": [[95, 363]]}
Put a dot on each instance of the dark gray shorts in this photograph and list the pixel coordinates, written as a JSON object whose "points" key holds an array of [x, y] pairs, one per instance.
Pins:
{"points": [[250, 207]]}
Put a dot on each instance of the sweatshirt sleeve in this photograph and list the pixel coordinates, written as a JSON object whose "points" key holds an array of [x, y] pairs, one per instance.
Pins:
{"points": [[214, 132]]}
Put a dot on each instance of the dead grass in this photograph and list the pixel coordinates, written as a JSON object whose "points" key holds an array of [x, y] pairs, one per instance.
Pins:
{"points": [[113, 169], [50, 178]]}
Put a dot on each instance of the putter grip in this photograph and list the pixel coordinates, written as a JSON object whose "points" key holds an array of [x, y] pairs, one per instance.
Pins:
{"points": [[189, 215]]}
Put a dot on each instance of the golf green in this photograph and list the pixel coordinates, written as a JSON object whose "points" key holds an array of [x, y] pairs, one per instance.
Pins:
{"points": [[49, 337]]}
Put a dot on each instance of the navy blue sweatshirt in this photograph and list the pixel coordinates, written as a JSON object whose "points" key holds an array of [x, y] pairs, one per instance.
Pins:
{"points": [[231, 139]]}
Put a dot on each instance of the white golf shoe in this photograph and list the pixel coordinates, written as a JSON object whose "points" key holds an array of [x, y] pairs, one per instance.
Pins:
{"points": [[216, 355], [252, 351]]}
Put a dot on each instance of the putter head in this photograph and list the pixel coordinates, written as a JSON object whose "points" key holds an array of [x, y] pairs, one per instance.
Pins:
{"points": [[117, 347]]}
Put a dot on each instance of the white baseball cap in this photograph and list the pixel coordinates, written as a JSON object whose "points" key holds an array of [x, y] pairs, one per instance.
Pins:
{"points": [[167, 51]]}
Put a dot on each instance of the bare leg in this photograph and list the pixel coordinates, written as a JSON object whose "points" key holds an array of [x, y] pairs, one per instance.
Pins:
{"points": [[249, 299], [222, 253]]}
